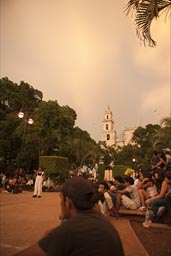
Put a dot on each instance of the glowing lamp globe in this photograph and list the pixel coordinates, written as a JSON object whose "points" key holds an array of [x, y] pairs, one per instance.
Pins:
{"points": [[20, 114], [30, 121]]}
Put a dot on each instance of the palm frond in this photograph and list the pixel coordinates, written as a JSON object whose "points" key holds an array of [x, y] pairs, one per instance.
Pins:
{"points": [[145, 11]]}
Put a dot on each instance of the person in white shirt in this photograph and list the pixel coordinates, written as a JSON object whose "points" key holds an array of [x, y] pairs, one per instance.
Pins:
{"points": [[40, 177], [106, 207], [132, 202], [147, 190]]}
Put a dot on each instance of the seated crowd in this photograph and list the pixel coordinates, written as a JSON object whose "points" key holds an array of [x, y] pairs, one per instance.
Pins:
{"points": [[17, 183], [139, 194], [149, 192]]}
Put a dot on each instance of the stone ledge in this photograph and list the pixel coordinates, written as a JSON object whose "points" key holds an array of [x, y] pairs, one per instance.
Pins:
{"points": [[158, 225], [131, 212]]}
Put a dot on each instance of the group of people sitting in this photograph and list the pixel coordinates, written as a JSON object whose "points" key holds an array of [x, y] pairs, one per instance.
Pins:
{"points": [[13, 184], [150, 191], [17, 183], [91, 232]]}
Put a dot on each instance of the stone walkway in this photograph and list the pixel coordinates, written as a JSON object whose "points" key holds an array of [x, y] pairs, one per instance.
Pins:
{"points": [[24, 219]]}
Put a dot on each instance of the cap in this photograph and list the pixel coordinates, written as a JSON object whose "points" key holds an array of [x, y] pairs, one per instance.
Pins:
{"points": [[80, 191]]}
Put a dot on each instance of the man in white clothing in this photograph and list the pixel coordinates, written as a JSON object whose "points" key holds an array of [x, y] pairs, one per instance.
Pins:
{"points": [[106, 207], [131, 202], [40, 177]]}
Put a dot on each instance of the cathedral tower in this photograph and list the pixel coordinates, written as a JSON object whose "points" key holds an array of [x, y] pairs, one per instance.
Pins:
{"points": [[108, 133]]}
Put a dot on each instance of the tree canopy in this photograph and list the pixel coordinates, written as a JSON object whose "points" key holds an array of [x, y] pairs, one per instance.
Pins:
{"points": [[53, 133]]}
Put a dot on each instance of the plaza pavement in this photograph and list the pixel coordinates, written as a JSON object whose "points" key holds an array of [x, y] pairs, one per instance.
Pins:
{"points": [[23, 220]]}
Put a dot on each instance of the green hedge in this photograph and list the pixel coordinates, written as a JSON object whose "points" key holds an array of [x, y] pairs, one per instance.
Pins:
{"points": [[55, 165]]}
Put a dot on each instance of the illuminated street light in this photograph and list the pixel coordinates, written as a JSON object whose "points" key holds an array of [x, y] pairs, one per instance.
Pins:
{"points": [[26, 121], [20, 114], [30, 121]]}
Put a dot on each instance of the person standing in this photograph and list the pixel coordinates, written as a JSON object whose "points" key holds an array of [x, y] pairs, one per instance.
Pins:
{"points": [[40, 177]]}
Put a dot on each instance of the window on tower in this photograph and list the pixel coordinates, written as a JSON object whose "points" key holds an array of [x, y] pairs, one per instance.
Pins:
{"points": [[107, 117], [108, 136], [107, 127]]}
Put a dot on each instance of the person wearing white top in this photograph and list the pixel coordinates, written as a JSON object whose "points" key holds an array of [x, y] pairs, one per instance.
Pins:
{"points": [[40, 176], [147, 190], [132, 202], [106, 207]]}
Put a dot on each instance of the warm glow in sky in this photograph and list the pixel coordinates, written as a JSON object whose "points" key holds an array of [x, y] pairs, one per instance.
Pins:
{"points": [[85, 54]]}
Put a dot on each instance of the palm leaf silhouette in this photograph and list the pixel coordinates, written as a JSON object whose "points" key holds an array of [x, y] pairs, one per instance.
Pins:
{"points": [[145, 11]]}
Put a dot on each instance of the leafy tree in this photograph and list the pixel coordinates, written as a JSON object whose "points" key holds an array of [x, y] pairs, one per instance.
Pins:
{"points": [[15, 97], [125, 156], [143, 136], [108, 153], [145, 12], [166, 122], [53, 123], [80, 148], [162, 138], [52, 133]]}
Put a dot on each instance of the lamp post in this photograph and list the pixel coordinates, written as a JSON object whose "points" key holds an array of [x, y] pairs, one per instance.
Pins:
{"points": [[27, 120], [134, 166]]}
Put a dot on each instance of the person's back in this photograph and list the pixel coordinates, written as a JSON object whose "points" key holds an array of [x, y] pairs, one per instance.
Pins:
{"points": [[85, 231], [88, 233]]}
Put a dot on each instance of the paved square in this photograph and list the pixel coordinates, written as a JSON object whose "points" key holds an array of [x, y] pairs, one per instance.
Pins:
{"points": [[24, 220]]}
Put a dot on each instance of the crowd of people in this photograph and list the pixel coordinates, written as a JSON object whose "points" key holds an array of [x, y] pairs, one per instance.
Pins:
{"points": [[146, 193], [149, 191], [84, 205], [20, 181]]}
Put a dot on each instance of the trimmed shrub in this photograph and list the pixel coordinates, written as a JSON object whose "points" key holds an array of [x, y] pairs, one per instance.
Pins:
{"points": [[55, 165]]}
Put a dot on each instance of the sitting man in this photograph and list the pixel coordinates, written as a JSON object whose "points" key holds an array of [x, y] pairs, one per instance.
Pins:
{"points": [[85, 231], [106, 205], [131, 202], [118, 185]]}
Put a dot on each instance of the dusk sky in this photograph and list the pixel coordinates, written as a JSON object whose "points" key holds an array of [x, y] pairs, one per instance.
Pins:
{"points": [[85, 54]]}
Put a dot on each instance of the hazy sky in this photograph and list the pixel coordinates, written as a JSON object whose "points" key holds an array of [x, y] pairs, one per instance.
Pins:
{"points": [[85, 54]]}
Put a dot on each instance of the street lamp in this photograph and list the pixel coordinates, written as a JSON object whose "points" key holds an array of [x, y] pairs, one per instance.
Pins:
{"points": [[29, 120], [134, 166], [26, 121], [20, 114]]}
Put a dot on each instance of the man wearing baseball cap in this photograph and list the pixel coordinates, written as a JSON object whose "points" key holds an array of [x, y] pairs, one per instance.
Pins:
{"points": [[86, 231]]}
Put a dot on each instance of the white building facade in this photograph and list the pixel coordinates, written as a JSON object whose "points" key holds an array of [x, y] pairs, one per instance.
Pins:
{"points": [[109, 134], [128, 135]]}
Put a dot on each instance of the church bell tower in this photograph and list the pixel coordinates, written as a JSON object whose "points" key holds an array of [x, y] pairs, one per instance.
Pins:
{"points": [[108, 132]]}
